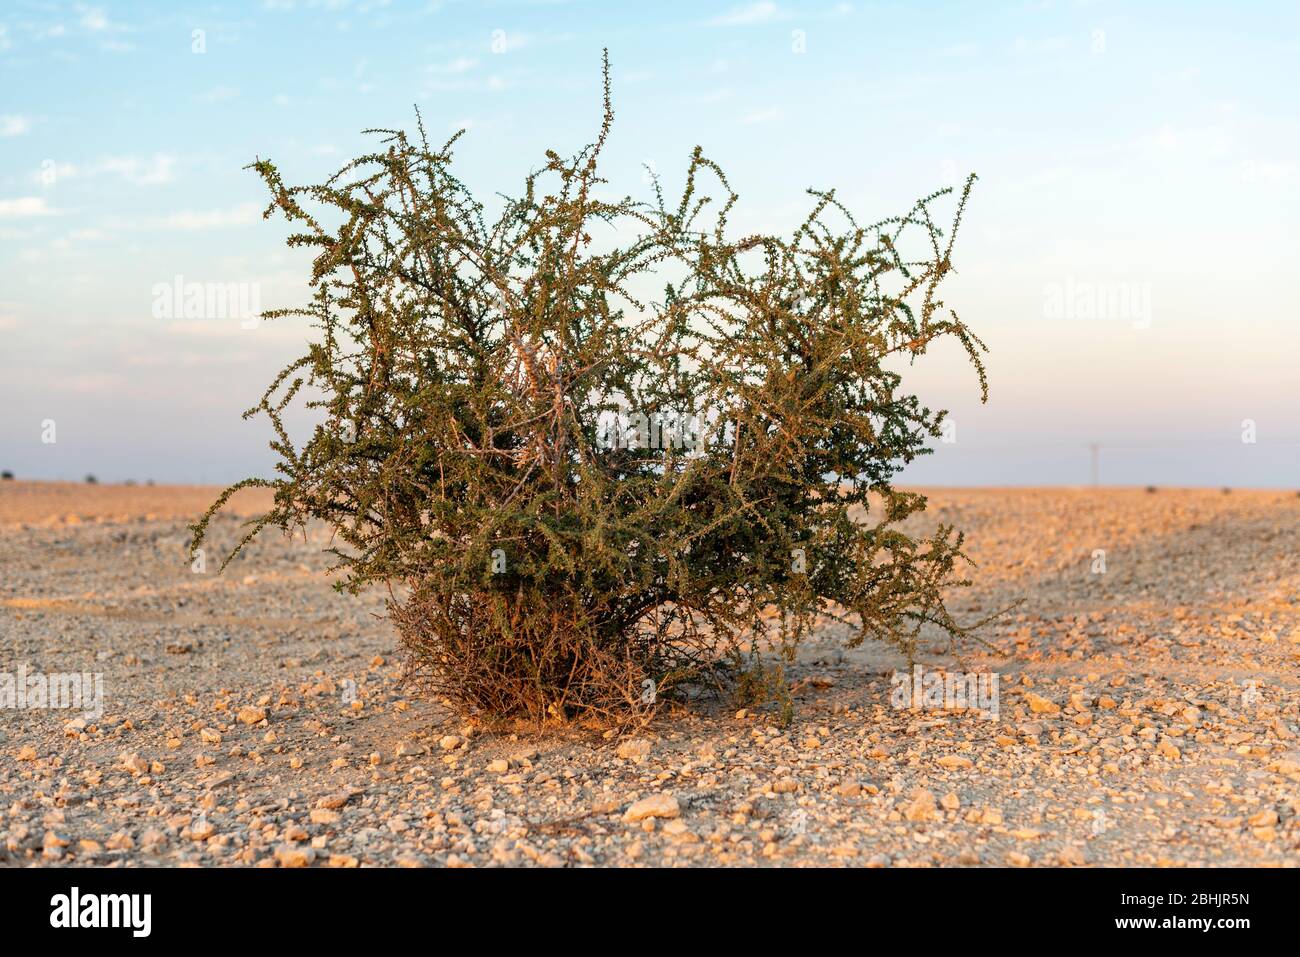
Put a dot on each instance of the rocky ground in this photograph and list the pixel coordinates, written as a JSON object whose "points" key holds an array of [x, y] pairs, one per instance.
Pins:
{"points": [[1147, 712]]}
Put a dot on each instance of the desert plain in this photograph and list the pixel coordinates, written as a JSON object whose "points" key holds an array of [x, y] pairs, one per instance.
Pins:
{"points": [[1147, 710]]}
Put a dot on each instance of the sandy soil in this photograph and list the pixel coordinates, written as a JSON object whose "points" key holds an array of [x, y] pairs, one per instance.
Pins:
{"points": [[1147, 713]]}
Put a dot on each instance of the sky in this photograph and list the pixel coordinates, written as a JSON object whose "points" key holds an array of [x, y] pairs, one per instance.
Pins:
{"points": [[1129, 254]]}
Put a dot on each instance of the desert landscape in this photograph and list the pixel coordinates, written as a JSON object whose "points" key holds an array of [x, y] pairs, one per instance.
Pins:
{"points": [[1149, 702]]}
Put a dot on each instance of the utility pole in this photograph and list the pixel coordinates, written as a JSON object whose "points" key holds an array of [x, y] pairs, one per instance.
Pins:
{"points": [[1095, 449]]}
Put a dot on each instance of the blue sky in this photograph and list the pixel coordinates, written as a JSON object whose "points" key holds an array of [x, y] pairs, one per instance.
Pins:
{"points": [[1137, 156]]}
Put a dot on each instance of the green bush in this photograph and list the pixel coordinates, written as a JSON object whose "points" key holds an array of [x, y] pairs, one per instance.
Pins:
{"points": [[600, 451]]}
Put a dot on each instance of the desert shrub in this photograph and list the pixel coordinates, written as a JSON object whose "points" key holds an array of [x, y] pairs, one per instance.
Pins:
{"points": [[600, 451]]}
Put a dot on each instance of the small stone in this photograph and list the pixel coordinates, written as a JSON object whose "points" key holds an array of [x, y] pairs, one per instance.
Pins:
{"points": [[1071, 857], [1168, 749], [1040, 705], [1263, 819], [449, 742], [343, 860], [27, 753], [956, 762], [922, 807], [785, 786], [210, 736], [499, 766], [135, 764], [288, 855], [333, 801], [950, 801], [251, 715], [322, 815], [201, 830], [634, 749], [656, 805]]}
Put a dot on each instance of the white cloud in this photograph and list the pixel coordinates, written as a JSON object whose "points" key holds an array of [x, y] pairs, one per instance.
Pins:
{"points": [[93, 19], [24, 206], [190, 221], [12, 125], [157, 169], [761, 116], [764, 12]]}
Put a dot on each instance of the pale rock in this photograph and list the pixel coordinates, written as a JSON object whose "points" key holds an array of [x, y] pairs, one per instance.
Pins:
{"points": [[656, 805], [634, 749], [922, 807], [289, 855], [1040, 705], [251, 715]]}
